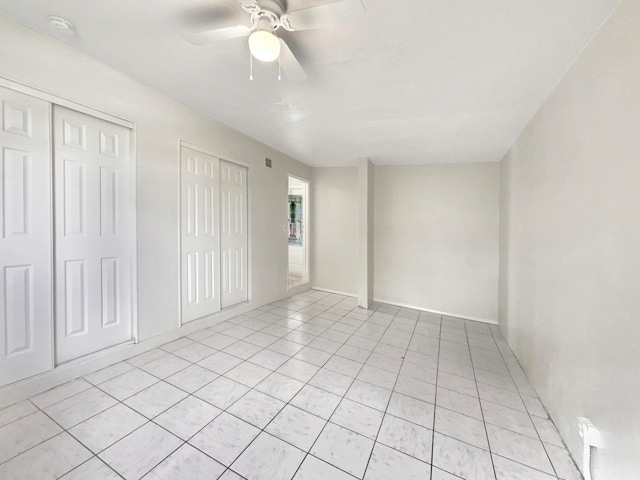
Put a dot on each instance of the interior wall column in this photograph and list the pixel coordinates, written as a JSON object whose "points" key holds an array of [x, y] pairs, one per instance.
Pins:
{"points": [[365, 232]]}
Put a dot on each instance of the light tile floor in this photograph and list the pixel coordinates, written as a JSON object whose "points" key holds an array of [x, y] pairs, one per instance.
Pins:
{"points": [[309, 388], [295, 279]]}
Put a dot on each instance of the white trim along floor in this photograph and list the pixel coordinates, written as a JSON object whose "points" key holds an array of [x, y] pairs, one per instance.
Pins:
{"points": [[307, 388]]}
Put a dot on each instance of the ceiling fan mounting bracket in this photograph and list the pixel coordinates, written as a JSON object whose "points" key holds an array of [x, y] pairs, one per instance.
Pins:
{"points": [[266, 15], [284, 23], [272, 10]]}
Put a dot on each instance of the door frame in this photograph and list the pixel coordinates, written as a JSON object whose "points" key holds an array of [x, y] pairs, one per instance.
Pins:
{"points": [[247, 165], [132, 241], [63, 102], [306, 210]]}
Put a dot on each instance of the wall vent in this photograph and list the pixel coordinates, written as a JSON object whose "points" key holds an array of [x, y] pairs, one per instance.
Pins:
{"points": [[267, 162]]}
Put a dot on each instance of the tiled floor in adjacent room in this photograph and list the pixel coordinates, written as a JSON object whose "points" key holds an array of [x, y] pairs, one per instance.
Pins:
{"points": [[310, 388]]}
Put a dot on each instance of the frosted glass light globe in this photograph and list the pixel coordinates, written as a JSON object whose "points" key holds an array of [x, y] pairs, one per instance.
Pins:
{"points": [[264, 46]]}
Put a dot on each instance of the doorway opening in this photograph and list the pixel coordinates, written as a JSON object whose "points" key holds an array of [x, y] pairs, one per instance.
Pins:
{"points": [[298, 214]]}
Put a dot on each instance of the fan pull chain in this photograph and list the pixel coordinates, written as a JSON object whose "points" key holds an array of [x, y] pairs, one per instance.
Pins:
{"points": [[250, 67], [279, 69]]}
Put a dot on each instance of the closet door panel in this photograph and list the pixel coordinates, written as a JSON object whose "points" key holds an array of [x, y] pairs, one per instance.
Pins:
{"points": [[25, 237], [93, 239], [199, 234], [233, 229]]}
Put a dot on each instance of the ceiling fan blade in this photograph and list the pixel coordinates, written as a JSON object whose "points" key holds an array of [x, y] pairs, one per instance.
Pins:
{"points": [[290, 65], [337, 13], [217, 34]]}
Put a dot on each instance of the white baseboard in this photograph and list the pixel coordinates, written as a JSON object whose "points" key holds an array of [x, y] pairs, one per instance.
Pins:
{"points": [[337, 292], [300, 288], [66, 372], [422, 309], [449, 314]]}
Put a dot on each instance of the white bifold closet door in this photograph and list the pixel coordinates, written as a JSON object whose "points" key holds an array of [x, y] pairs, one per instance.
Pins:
{"points": [[233, 233], [200, 235], [93, 247], [25, 237]]}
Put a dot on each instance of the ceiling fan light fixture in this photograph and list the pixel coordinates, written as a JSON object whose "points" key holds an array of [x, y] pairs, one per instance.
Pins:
{"points": [[263, 43]]}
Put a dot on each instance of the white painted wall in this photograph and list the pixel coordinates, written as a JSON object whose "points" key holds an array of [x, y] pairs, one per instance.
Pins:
{"points": [[161, 123], [570, 236], [436, 238], [334, 217]]}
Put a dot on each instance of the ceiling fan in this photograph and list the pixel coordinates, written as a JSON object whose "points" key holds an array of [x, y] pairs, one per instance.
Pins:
{"points": [[267, 16]]}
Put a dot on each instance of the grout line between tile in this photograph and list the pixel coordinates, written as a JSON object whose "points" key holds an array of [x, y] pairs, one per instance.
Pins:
{"points": [[480, 402], [315, 308], [435, 399], [392, 391], [531, 420], [343, 396]]}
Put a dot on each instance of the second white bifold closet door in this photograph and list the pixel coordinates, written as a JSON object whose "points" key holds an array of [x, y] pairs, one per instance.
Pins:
{"points": [[92, 234], [213, 211], [233, 233], [200, 234]]}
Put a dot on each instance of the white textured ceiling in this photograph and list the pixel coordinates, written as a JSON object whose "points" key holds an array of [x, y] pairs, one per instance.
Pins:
{"points": [[416, 81]]}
